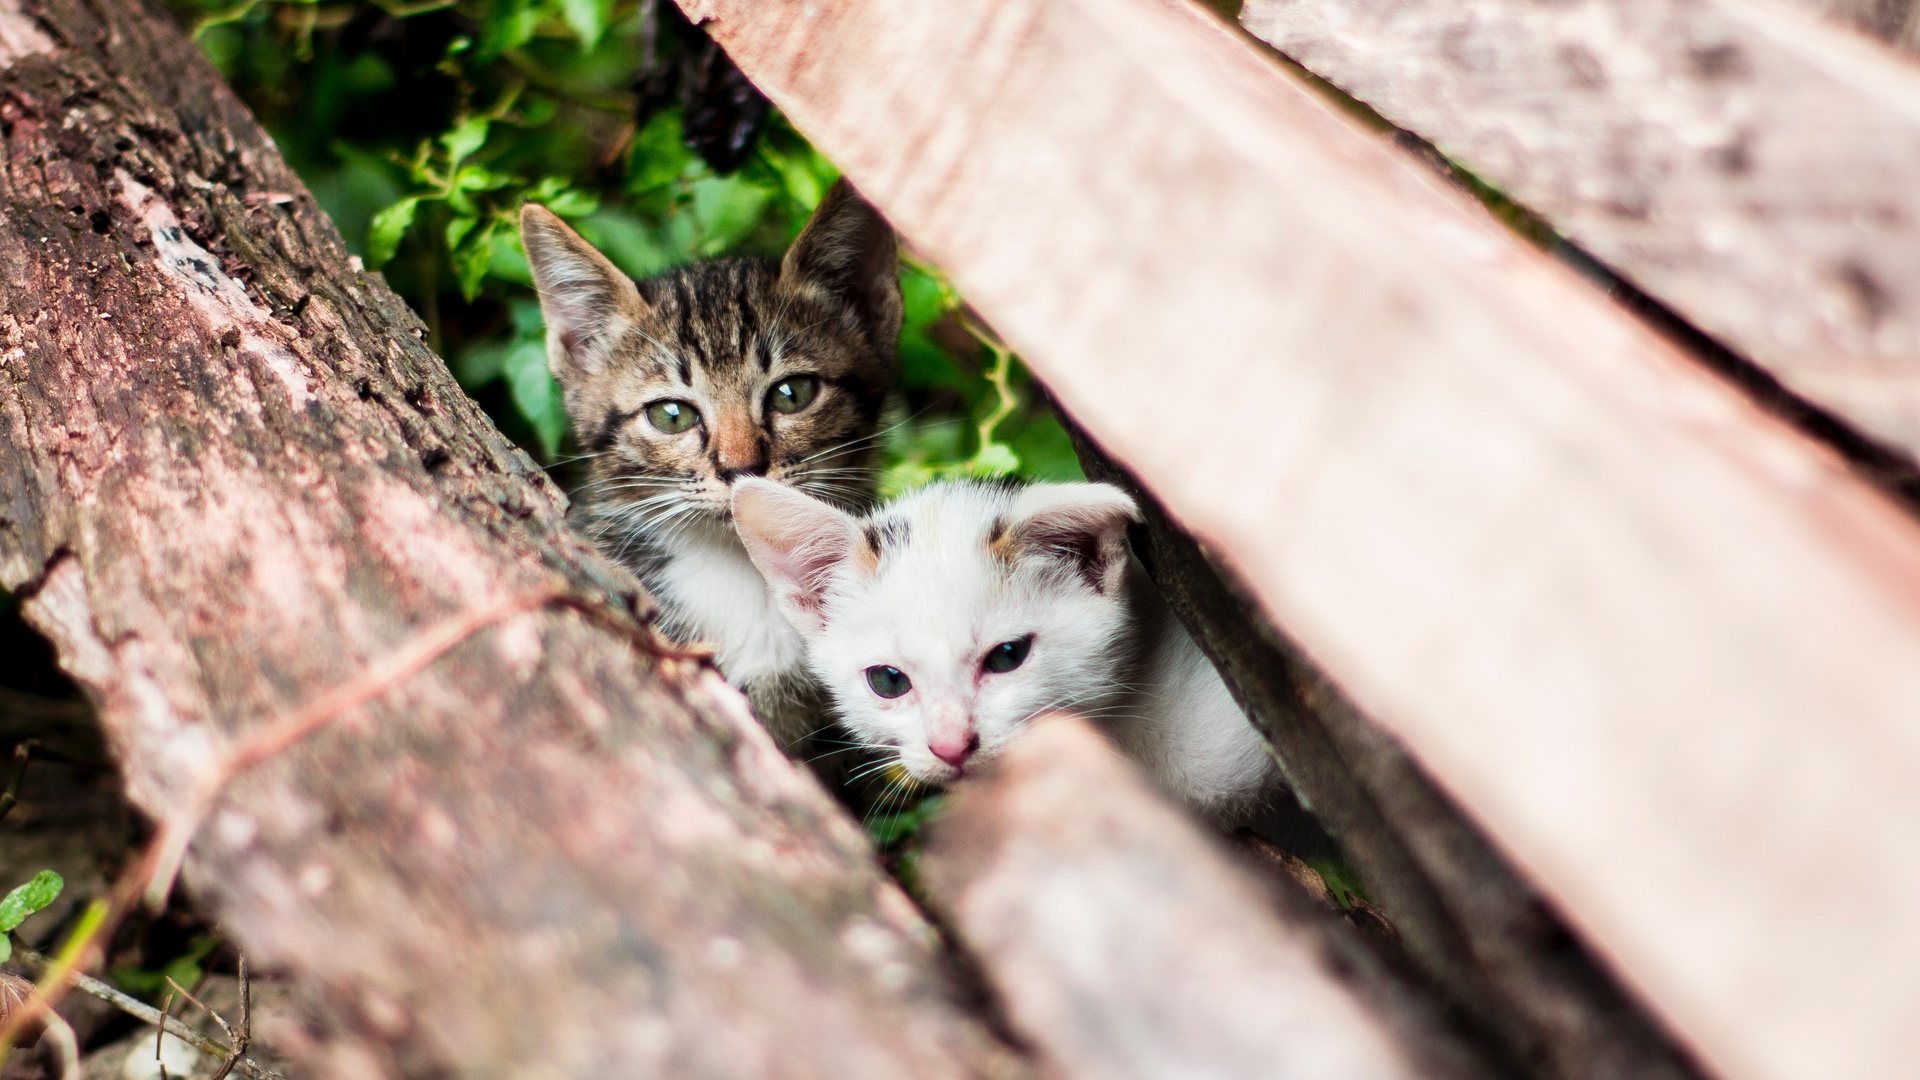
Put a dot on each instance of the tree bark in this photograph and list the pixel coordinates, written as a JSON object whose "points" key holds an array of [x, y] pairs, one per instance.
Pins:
{"points": [[232, 478]]}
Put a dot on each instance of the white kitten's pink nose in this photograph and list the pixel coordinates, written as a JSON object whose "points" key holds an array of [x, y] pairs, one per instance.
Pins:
{"points": [[954, 749]]}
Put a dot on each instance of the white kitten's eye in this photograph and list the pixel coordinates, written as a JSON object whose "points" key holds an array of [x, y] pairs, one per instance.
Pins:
{"points": [[888, 682], [1007, 655]]}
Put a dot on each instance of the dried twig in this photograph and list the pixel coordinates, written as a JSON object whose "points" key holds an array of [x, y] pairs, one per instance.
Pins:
{"points": [[134, 1007], [238, 1044]]}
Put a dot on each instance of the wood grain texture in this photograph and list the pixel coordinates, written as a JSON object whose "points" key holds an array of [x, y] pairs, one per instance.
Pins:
{"points": [[1468, 920], [231, 478], [1125, 944], [1744, 163], [1655, 642]]}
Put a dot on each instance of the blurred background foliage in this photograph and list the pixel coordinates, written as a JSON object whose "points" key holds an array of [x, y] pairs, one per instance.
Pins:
{"points": [[422, 125]]}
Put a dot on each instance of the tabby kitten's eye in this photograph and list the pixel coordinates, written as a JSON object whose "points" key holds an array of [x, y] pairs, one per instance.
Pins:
{"points": [[888, 682], [792, 394], [1007, 655], [672, 417]]}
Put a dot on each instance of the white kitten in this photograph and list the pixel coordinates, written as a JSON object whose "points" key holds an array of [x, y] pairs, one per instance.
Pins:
{"points": [[945, 622]]}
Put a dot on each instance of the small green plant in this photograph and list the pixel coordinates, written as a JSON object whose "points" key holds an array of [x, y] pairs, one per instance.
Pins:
{"points": [[186, 969], [23, 901]]}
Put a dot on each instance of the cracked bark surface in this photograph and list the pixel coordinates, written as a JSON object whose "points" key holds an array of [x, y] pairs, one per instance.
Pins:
{"points": [[231, 477]]}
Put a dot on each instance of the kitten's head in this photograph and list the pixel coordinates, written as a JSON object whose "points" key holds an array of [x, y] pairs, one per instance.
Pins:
{"points": [[945, 622], [683, 383]]}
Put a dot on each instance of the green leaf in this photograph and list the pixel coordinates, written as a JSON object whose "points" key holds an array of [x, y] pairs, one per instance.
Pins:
{"points": [[536, 394], [625, 238], [803, 173], [994, 459], [547, 188], [574, 203], [29, 898], [587, 19], [471, 260], [924, 296], [509, 25], [508, 260], [1046, 451], [457, 230], [479, 178], [466, 137], [387, 229], [659, 155], [6, 948], [726, 209]]}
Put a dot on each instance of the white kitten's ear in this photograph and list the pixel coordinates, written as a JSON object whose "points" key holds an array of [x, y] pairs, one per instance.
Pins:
{"points": [[797, 542], [847, 250], [1081, 525], [588, 303]]}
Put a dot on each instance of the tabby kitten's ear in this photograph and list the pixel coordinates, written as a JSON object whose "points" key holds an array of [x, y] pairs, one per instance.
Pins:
{"points": [[847, 251], [587, 302]]}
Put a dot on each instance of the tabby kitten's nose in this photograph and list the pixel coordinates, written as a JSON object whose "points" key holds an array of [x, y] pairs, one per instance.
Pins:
{"points": [[738, 450]]}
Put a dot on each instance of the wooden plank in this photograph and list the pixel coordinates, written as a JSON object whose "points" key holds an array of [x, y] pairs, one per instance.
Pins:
{"points": [[1655, 641], [1124, 944], [1748, 165], [1469, 921]]}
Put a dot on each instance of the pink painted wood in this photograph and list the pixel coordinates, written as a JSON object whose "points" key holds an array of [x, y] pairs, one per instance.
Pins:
{"points": [[1665, 649], [1753, 168]]}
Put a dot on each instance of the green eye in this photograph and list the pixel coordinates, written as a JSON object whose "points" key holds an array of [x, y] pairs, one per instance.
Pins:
{"points": [[672, 417], [792, 394], [888, 682], [1008, 655]]}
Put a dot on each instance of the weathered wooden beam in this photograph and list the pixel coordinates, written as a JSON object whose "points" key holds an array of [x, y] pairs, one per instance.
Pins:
{"points": [[233, 480], [1123, 942], [1749, 166], [1469, 920], [1646, 634]]}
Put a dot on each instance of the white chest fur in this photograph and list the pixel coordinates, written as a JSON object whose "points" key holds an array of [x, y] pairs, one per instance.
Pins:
{"points": [[712, 593], [1181, 723]]}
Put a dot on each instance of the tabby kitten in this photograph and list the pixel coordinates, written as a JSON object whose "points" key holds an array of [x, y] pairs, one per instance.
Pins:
{"points": [[682, 384]]}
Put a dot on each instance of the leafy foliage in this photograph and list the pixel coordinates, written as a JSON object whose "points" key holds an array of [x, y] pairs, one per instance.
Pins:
{"points": [[23, 901], [423, 125]]}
